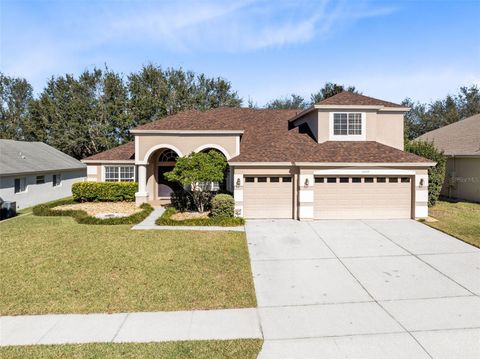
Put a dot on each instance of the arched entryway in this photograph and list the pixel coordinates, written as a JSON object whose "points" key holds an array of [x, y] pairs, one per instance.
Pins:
{"points": [[164, 162]]}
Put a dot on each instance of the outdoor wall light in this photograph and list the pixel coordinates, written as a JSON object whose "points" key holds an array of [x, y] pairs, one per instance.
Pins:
{"points": [[306, 182], [238, 182], [421, 182]]}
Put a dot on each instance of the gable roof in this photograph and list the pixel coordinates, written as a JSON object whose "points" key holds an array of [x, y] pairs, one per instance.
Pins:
{"points": [[20, 157], [125, 152], [354, 99], [458, 138], [267, 137]]}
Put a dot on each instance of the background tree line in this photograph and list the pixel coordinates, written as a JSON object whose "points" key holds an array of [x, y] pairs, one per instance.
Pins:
{"points": [[93, 112]]}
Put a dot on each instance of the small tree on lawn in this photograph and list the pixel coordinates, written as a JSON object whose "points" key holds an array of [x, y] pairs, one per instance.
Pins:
{"points": [[198, 171]]}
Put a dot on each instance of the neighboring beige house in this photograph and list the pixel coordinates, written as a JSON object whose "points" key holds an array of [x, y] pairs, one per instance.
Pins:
{"points": [[461, 143], [341, 158]]}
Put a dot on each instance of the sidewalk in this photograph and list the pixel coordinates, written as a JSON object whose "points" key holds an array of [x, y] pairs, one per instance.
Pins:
{"points": [[130, 327]]}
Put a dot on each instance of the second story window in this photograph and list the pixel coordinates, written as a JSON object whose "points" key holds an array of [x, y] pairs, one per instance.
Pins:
{"points": [[347, 124]]}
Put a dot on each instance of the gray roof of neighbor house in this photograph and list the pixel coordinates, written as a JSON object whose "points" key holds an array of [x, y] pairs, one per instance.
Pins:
{"points": [[18, 157], [460, 138]]}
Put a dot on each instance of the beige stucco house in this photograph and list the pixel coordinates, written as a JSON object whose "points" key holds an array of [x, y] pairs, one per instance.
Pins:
{"points": [[342, 158], [460, 141]]}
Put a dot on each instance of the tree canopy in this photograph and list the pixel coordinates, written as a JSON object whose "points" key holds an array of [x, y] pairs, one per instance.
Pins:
{"points": [[298, 102], [423, 118], [93, 112]]}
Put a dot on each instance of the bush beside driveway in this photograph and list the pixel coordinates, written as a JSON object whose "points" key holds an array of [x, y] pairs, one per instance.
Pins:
{"points": [[54, 265]]}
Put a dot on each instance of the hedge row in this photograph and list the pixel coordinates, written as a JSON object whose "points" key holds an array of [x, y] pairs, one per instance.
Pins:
{"points": [[436, 174], [104, 191], [48, 209], [165, 220]]}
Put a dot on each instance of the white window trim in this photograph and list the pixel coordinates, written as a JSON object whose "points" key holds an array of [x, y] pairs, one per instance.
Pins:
{"points": [[120, 165], [361, 137]]}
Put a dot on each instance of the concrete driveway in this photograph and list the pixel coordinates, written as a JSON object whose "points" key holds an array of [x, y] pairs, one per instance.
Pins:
{"points": [[364, 289]]}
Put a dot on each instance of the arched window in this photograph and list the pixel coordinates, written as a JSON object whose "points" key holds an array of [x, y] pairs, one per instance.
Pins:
{"points": [[168, 156]]}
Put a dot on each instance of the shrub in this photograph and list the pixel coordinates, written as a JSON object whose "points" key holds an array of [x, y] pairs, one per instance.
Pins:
{"points": [[104, 191], [223, 205], [436, 174], [166, 220], [82, 217], [183, 200]]}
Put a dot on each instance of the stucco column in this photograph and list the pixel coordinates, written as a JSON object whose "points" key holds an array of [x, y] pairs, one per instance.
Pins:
{"points": [[142, 195], [421, 194], [305, 194], [238, 193]]}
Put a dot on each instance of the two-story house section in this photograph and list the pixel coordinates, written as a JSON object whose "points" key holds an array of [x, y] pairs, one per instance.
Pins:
{"points": [[342, 158]]}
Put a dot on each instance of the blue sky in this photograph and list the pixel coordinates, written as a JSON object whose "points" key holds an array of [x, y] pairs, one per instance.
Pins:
{"points": [[387, 49]]}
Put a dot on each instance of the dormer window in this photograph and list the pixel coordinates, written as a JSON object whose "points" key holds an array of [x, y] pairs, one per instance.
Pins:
{"points": [[347, 126]]}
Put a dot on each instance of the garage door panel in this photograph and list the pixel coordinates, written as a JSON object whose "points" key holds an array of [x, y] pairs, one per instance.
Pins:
{"points": [[362, 200], [268, 199]]}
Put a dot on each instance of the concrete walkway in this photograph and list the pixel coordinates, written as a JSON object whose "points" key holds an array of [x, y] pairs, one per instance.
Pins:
{"points": [[149, 223], [364, 289], [130, 327], [150, 220]]}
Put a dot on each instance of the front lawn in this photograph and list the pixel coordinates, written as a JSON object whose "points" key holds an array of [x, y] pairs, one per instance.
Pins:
{"points": [[55, 265], [461, 220], [241, 349]]}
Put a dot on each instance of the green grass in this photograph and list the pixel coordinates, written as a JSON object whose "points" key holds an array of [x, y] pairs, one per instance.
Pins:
{"points": [[165, 220], [461, 220], [241, 349], [55, 265]]}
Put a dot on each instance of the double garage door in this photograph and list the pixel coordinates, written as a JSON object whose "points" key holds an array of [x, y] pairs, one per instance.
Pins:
{"points": [[358, 197], [335, 197]]}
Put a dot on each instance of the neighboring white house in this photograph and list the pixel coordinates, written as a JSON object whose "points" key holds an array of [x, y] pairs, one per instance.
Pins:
{"points": [[33, 173]]}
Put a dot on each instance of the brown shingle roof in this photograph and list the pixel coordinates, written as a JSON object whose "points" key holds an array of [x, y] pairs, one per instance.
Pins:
{"points": [[267, 138], [119, 153], [350, 98], [458, 138], [223, 118]]}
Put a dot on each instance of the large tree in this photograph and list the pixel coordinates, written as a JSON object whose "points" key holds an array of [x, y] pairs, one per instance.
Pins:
{"points": [[15, 95], [93, 112], [81, 116], [155, 93], [298, 102]]}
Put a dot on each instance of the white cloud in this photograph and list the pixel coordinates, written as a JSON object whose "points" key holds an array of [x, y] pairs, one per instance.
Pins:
{"points": [[239, 26]]}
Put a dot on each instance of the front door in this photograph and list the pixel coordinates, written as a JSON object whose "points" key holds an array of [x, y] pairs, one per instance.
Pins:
{"points": [[165, 187]]}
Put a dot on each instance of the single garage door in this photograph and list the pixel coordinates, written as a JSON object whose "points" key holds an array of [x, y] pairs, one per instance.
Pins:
{"points": [[268, 197], [362, 197]]}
